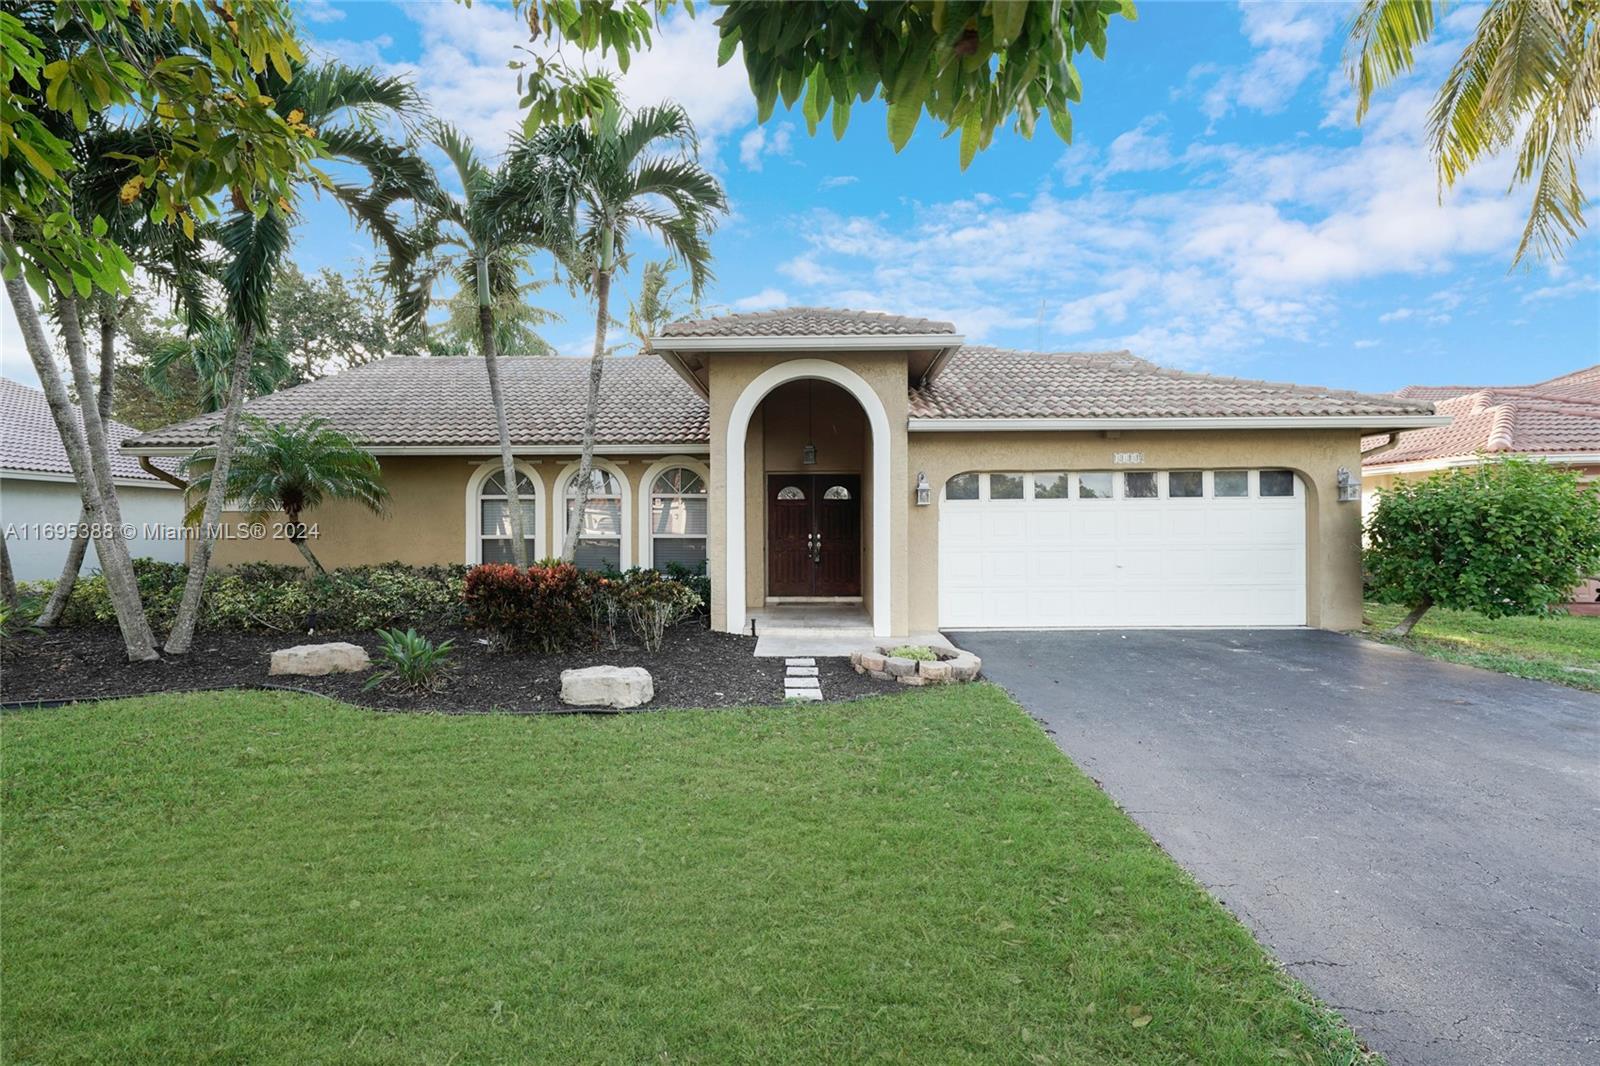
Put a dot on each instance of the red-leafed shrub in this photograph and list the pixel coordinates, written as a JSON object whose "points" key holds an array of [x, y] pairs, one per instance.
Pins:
{"points": [[545, 606]]}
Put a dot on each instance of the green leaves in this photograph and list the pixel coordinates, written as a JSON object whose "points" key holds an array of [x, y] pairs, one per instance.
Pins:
{"points": [[1513, 536], [970, 65]]}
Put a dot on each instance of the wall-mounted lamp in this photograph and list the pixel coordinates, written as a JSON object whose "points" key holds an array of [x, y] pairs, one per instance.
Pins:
{"points": [[924, 490], [808, 455], [1349, 487]]}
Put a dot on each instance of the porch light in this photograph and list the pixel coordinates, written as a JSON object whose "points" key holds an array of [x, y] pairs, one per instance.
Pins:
{"points": [[1349, 487], [924, 490], [808, 455]]}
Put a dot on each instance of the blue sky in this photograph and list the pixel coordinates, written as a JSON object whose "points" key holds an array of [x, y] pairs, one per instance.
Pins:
{"points": [[1219, 210]]}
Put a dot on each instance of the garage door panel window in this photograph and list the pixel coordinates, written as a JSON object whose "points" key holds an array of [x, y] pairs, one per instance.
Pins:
{"points": [[1140, 485], [1005, 486], [1277, 483], [1186, 484], [961, 487], [1052, 486], [1095, 486], [1231, 483]]}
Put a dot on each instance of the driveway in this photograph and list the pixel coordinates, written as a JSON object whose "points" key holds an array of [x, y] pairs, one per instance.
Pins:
{"points": [[1415, 840]]}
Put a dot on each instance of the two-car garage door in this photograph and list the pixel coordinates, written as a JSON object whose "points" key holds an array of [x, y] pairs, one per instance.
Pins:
{"points": [[1041, 549]]}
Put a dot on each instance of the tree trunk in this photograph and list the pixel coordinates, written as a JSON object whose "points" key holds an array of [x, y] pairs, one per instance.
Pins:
{"points": [[591, 414], [1405, 624], [508, 465], [123, 590], [61, 594], [292, 520], [182, 634], [8, 580]]}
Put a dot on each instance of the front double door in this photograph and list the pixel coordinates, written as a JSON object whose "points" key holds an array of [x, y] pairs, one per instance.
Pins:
{"points": [[813, 535]]}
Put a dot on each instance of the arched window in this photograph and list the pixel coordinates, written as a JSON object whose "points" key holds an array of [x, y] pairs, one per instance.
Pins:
{"points": [[494, 518], [837, 492], [678, 519], [961, 487], [791, 492], [600, 529]]}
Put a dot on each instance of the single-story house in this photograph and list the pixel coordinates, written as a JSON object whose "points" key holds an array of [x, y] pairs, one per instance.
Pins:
{"points": [[815, 455], [39, 499], [1557, 421]]}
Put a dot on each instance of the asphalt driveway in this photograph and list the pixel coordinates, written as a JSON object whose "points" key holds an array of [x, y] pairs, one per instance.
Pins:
{"points": [[1417, 841]]}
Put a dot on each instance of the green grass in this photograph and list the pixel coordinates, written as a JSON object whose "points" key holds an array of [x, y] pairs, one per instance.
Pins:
{"points": [[1538, 647], [272, 878]]}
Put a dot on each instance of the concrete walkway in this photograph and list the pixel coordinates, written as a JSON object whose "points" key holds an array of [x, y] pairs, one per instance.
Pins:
{"points": [[1417, 841]]}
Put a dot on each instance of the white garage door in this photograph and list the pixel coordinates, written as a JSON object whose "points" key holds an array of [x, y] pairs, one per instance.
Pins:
{"points": [[1041, 549]]}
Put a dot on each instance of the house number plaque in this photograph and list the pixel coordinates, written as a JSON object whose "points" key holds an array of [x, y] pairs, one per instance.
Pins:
{"points": [[1127, 458]]}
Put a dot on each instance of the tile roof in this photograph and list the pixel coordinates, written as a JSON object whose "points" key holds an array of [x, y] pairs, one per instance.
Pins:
{"points": [[807, 322], [29, 441], [444, 401], [981, 382], [1552, 417]]}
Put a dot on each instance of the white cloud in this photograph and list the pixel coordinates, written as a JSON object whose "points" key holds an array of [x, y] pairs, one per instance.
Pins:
{"points": [[1399, 314], [318, 11], [461, 70], [764, 300], [1576, 287], [14, 360], [837, 181], [1366, 342], [1139, 149], [757, 143], [1257, 248], [1288, 38]]}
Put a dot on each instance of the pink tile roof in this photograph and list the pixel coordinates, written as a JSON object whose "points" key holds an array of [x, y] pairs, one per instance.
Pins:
{"points": [[1554, 417]]}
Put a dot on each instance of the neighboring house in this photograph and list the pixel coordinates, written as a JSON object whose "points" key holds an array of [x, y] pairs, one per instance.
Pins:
{"points": [[39, 499], [1557, 421], [811, 454]]}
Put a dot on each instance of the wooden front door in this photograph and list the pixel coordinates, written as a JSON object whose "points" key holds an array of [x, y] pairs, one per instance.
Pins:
{"points": [[813, 535]]}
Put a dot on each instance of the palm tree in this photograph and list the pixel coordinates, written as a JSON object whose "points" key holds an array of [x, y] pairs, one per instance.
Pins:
{"points": [[516, 322], [622, 183], [344, 106], [293, 468], [1529, 77], [479, 240], [208, 355], [660, 302]]}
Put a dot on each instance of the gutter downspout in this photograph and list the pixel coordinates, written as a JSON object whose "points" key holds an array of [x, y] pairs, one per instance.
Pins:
{"points": [[171, 479]]}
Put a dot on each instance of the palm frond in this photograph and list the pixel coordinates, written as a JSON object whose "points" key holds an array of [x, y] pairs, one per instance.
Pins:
{"points": [[1384, 38]]}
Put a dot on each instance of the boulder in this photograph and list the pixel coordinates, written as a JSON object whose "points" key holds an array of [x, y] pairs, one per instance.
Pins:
{"points": [[607, 686], [314, 660]]}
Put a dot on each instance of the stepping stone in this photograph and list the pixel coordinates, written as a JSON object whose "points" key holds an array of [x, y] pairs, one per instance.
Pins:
{"points": [[801, 682], [804, 694], [802, 671], [799, 662]]}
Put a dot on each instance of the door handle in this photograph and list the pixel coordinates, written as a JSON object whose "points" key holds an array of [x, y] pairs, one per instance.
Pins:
{"points": [[815, 540]]}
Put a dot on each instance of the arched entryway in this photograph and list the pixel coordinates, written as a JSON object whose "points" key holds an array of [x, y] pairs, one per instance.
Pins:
{"points": [[745, 535]]}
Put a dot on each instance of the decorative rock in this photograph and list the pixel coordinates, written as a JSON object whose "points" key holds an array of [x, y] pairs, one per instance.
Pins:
{"points": [[314, 660], [965, 667], [607, 686], [855, 659], [872, 661], [935, 672], [881, 675], [898, 667], [911, 679]]}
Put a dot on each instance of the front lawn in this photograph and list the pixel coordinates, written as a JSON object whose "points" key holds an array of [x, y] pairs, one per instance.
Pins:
{"points": [[1543, 648], [269, 877]]}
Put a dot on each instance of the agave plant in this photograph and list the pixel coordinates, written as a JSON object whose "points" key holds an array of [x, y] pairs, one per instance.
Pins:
{"points": [[292, 468]]}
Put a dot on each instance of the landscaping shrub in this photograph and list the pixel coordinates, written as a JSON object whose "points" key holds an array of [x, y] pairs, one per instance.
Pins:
{"points": [[696, 579], [652, 603], [920, 653], [1508, 537], [411, 661], [546, 606], [266, 596]]}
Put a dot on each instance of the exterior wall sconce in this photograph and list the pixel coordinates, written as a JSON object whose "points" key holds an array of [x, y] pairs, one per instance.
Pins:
{"points": [[924, 490], [1349, 487], [808, 455]]}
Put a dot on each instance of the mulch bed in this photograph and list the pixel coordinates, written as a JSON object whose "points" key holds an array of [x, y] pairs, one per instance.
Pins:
{"points": [[695, 668]]}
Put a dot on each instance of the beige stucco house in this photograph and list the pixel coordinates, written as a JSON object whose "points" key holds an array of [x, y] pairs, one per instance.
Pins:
{"points": [[876, 463]]}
